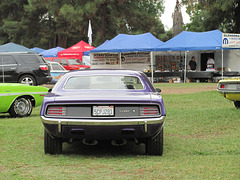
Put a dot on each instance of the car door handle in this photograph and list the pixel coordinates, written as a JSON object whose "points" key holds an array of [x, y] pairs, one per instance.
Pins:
{"points": [[13, 68]]}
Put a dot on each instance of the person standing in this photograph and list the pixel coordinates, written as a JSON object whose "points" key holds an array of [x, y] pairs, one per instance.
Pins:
{"points": [[192, 65], [210, 63]]}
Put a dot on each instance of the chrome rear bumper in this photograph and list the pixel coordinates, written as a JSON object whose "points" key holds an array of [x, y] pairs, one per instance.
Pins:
{"points": [[105, 122]]}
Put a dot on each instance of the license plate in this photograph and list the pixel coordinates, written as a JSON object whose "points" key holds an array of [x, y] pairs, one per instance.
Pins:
{"points": [[103, 111]]}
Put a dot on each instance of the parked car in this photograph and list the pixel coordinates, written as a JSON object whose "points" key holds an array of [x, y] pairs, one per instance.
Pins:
{"points": [[230, 89], [93, 105], [69, 64], [19, 99], [24, 68], [56, 70]]}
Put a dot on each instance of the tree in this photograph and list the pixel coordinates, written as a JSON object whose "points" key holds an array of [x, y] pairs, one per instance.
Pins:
{"points": [[51, 23], [10, 20], [213, 14], [177, 19]]}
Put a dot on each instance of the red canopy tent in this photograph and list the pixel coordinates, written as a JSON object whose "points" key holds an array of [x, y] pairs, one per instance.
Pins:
{"points": [[75, 51]]}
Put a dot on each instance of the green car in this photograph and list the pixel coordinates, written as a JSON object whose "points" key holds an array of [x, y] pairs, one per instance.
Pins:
{"points": [[19, 99]]}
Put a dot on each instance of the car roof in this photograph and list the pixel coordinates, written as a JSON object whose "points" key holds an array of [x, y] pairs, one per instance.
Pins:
{"points": [[105, 72]]}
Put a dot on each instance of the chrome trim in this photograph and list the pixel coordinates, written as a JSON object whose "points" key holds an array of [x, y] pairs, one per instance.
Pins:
{"points": [[96, 122], [8, 65], [229, 91], [145, 126], [59, 126]]}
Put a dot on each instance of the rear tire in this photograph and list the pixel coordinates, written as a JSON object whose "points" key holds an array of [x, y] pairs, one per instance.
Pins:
{"points": [[28, 79], [52, 145], [237, 104], [154, 144], [21, 107]]}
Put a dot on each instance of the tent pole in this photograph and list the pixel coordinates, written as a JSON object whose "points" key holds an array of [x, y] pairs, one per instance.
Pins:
{"points": [[152, 65], [222, 63], [91, 54], [185, 71], [120, 60]]}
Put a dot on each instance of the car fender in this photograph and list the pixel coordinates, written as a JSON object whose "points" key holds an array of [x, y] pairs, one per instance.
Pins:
{"points": [[8, 101]]}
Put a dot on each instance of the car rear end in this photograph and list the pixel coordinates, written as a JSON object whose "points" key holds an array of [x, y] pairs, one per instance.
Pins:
{"points": [[103, 119], [35, 65], [230, 89]]}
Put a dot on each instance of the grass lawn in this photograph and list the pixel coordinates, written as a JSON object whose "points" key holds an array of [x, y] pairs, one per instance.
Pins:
{"points": [[202, 141]]}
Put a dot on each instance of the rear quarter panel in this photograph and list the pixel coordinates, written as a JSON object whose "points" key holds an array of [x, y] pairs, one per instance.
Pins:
{"points": [[10, 92]]}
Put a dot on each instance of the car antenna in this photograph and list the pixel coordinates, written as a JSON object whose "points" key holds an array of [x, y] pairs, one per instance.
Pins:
{"points": [[2, 70]]}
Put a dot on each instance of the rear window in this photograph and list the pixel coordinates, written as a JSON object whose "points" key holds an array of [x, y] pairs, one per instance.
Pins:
{"points": [[104, 82], [7, 60], [31, 59]]}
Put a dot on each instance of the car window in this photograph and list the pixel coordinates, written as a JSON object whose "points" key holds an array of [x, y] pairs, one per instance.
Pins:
{"points": [[4, 60], [56, 60], [115, 82], [57, 67], [64, 62], [75, 62], [30, 59]]}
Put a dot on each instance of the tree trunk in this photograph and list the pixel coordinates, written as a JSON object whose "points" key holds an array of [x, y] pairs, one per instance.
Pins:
{"points": [[62, 40], [103, 19]]}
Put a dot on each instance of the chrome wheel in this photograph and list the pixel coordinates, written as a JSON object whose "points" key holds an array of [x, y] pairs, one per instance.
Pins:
{"points": [[21, 107], [27, 79]]}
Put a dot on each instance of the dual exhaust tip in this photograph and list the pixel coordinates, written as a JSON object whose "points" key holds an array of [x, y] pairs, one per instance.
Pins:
{"points": [[114, 142]]}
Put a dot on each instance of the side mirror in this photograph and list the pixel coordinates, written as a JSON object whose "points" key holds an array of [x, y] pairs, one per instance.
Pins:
{"points": [[158, 90], [50, 90]]}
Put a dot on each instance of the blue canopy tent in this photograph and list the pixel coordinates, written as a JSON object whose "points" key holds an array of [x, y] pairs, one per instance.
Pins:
{"points": [[192, 41], [130, 43], [37, 50], [51, 52], [12, 47]]}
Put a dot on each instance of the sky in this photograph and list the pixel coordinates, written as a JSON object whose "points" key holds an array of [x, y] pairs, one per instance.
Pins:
{"points": [[167, 16]]}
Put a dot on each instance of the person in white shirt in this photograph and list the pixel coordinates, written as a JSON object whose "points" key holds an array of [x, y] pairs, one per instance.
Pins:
{"points": [[210, 63]]}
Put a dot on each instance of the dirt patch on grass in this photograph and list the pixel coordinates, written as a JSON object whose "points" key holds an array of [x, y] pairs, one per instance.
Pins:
{"points": [[188, 90]]}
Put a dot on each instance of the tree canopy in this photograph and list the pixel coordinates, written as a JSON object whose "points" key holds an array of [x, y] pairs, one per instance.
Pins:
{"points": [[213, 14], [51, 23]]}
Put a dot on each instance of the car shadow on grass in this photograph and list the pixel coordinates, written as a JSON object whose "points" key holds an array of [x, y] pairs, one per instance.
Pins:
{"points": [[103, 148], [2, 116]]}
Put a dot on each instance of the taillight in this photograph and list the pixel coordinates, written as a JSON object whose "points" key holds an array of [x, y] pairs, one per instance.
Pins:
{"points": [[149, 110], [222, 86], [44, 67], [56, 111]]}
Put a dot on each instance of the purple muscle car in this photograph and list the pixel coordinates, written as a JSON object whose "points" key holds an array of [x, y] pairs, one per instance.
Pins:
{"points": [[94, 105]]}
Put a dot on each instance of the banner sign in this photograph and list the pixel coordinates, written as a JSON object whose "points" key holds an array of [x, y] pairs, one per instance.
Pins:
{"points": [[105, 59], [230, 40], [135, 58], [126, 58]]}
